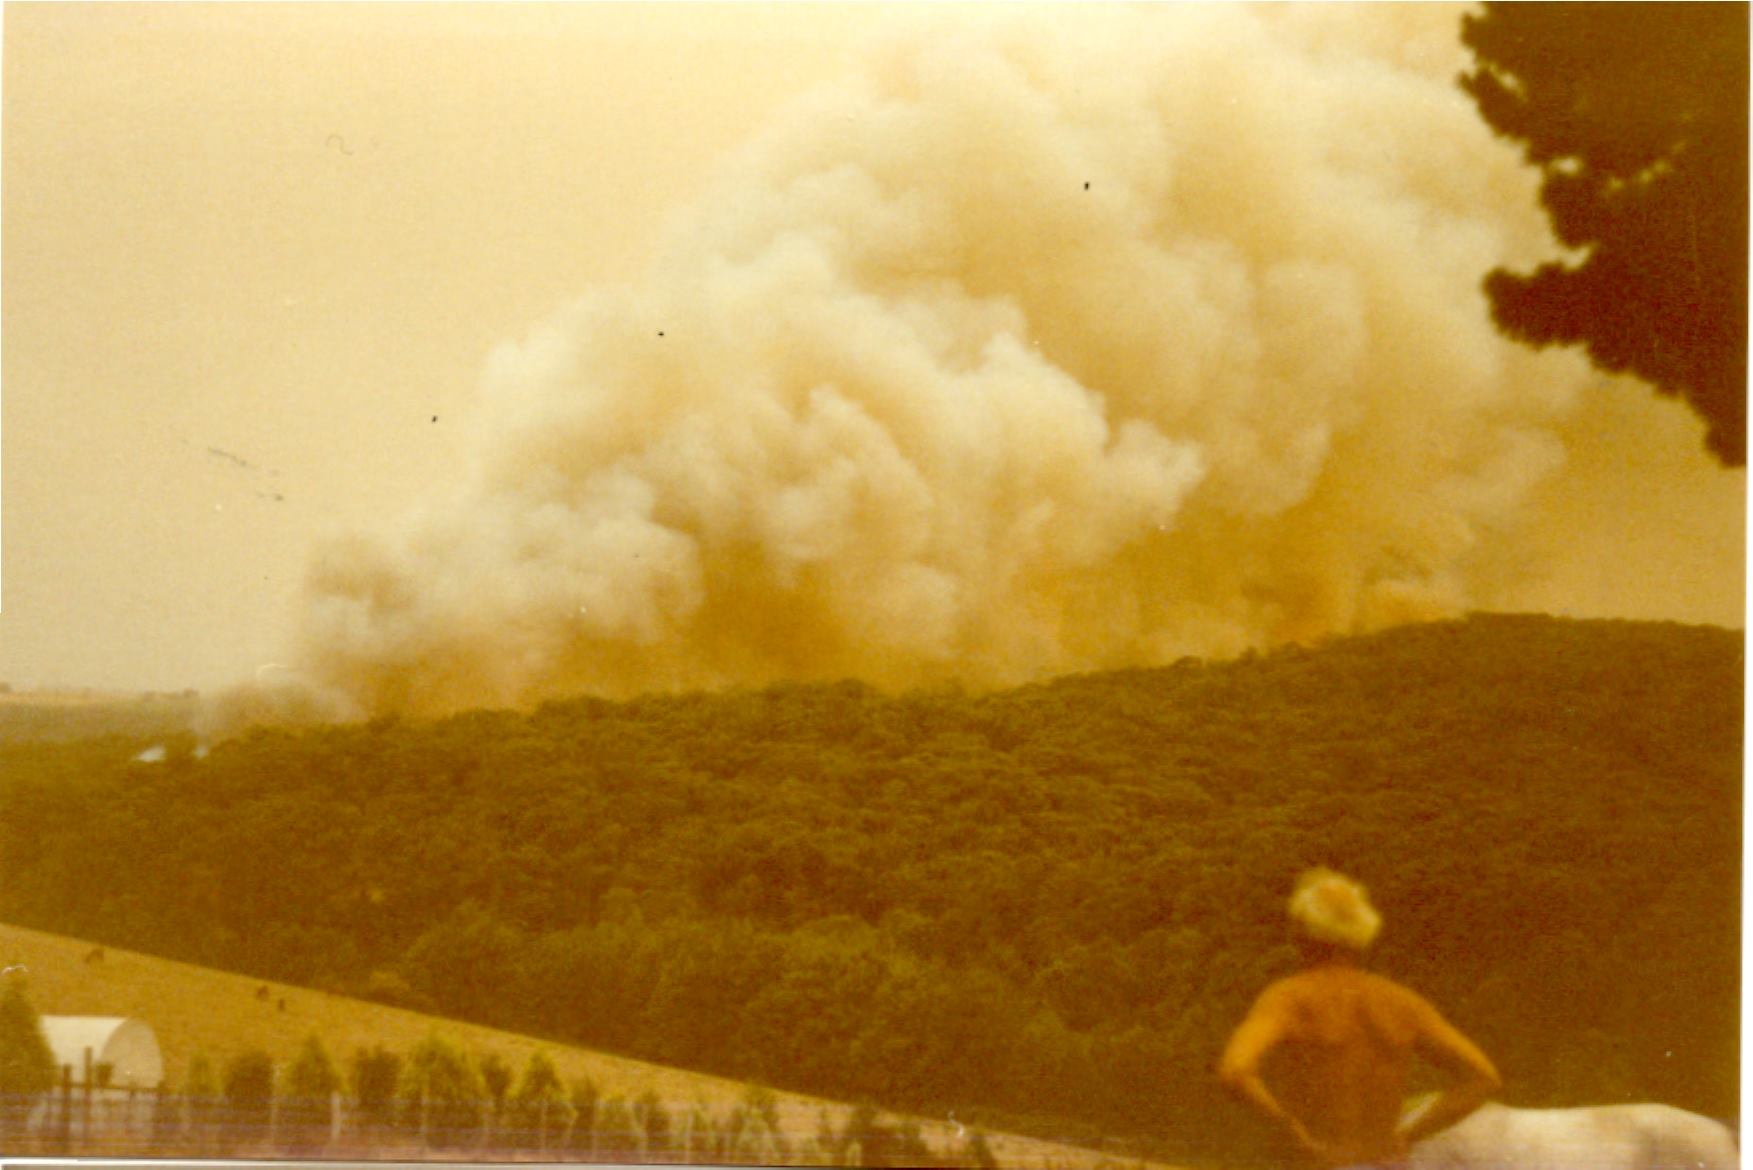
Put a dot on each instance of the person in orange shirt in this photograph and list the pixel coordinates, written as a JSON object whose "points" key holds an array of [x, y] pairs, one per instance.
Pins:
{"points": [[1343, 1042]]}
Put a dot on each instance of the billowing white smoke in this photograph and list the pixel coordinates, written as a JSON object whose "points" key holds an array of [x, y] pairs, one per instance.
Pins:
{"points": [[1075, 341]]}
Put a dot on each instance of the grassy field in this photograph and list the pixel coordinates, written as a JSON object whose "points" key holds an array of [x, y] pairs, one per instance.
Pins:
{"points": [[197, 1009]]}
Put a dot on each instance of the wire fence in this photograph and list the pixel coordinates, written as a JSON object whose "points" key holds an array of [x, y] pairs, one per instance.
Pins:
{"points": [[85, 1121]]}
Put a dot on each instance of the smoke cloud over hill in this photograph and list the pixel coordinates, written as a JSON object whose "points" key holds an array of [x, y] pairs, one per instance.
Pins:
{"points": [[1059, 343]]}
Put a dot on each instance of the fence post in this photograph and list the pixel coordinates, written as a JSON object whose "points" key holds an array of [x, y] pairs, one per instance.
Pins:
{"points": [[85, 1107], [66, 1118]]}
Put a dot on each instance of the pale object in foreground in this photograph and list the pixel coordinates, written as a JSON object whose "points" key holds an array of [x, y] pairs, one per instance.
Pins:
{"points": [[1602, 1137]]}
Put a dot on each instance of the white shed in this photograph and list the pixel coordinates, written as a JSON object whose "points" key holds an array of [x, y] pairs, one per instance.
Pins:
{"points": [[107, 1073], [121, 1053]]}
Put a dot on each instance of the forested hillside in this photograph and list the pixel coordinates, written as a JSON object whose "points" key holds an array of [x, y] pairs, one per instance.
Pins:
{"points": [[1043, 908], [66, 716]]}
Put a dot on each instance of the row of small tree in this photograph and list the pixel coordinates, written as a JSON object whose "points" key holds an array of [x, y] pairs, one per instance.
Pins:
{"points": [[441, 1098], [437, 1097]]}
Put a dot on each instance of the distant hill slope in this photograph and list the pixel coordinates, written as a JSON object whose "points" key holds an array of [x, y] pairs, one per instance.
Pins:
{"points": [[61, 716], [196, 1009], [1041, 908]]}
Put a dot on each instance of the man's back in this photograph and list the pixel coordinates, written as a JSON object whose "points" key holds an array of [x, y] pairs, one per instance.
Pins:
{"points": [[1344, 1055], [1324, 1055]]}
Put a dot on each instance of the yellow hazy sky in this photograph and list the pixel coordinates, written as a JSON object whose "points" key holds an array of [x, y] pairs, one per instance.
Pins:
{"points": [[292, 234], [255, 258]]}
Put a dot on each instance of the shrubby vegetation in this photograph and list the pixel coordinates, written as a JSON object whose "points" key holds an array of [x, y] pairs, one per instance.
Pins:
{"points": [[1042, 909], [249, 1097], [306, 1114], [203, 1107], [442, 1094], [375, 1073], [539, 1104], [27, 1067]]}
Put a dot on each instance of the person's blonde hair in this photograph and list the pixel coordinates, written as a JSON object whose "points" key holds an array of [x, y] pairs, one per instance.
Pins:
{"points": [[1330, 908]]}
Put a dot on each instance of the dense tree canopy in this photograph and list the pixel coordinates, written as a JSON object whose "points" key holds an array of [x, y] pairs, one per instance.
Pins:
{"points": [[1637, 115], [1042, 908]]}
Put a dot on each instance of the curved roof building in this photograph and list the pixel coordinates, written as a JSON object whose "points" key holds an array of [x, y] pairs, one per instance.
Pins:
{"points": [[128, 1047]]}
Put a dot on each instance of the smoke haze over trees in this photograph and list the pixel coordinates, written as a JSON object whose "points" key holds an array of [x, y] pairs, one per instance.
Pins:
{"points": [[1040, 346], [1637, 116], [889, 898]]}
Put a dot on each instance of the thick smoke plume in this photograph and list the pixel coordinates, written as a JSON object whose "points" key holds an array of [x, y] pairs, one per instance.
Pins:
{"points": [[1067, 342]]}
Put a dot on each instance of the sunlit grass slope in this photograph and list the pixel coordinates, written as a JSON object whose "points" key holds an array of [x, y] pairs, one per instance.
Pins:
{"points": [[197, 1009]]}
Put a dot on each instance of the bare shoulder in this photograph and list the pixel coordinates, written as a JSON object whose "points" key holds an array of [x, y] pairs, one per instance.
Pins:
{"points": [[1284, 1000], [1327, 985], [1389, 989], [1292, 989], [1398, 998]]}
